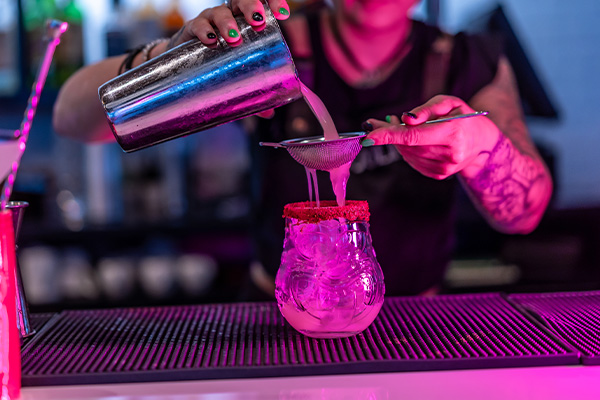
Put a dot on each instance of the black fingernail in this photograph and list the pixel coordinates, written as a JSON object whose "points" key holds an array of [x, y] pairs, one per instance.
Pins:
{"points": [[257, 16], [367, 126], [409, 114], [211, 35]]}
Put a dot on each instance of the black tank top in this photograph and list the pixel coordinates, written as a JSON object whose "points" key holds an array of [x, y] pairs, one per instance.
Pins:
{"points": [[412, 216]]}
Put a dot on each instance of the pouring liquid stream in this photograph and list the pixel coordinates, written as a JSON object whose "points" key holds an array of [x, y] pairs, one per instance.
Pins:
{"points": [[339, 176], [311, 174]]}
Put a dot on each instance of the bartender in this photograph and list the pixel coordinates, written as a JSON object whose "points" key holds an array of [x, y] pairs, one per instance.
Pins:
{"points": [[376, 68]]}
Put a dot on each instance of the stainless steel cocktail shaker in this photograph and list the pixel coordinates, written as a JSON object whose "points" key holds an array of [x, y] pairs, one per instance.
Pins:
{"points": [[192, 87]]}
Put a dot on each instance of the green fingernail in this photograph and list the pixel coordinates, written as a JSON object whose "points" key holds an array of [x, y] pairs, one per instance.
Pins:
{"points": [[283, 11], [367, 143], [233, 33], [388, 118]]}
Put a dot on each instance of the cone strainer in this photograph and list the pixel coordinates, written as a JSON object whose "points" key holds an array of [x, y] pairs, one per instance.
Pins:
{"points": [[317, 153]]}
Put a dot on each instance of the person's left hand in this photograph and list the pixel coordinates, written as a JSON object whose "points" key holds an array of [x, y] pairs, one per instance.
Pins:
{"points": [[442, 149]]}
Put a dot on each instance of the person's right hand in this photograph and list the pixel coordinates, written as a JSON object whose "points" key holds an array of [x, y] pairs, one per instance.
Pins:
{"points": [[221, 18]]}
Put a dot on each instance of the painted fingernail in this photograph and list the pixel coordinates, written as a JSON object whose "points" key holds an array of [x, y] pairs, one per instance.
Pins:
{"points": [[233, 33], [409, 114], [211, 35], [367, 126], [283, 11], [367, 143], [257, 16], [388, 118]]}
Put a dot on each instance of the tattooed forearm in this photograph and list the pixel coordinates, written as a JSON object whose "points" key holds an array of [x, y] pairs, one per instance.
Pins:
{"points": [[512, 188]]}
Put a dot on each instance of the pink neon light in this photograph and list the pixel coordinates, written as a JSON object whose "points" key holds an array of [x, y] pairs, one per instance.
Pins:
{"points": [[54, 32]]}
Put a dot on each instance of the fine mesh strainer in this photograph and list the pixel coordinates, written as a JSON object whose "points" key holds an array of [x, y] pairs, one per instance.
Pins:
{"points": [[317, 153]]}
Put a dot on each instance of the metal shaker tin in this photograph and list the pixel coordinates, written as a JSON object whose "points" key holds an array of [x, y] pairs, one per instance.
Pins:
{"points": [[192, 87]]}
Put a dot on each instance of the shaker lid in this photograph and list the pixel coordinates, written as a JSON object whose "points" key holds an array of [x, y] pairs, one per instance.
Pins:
{"points": [[353, 210]]}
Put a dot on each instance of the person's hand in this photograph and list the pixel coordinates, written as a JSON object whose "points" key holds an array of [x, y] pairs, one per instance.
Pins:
{"points": [[442, 149], [221, 18]]}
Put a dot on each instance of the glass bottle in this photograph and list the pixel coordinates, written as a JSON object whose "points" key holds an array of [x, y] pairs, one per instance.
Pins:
{"points": [[145, 25], [329, 283], [35, 15], [68, 57], [117, 30], [172, 20]]}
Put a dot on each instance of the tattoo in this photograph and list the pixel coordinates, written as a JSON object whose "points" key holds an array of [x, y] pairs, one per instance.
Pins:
{"points": [[511, 186], [175, 38]]}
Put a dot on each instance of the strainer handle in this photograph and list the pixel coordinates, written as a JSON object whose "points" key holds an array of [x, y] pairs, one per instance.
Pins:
{"points": [[473, 114], [271, 144]]}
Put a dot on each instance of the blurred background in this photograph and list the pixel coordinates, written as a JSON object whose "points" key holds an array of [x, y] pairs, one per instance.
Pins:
{"points": [[170, 224]]}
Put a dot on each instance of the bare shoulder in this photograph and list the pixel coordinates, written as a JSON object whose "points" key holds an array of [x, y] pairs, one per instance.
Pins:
{"points": [[296, 29]]}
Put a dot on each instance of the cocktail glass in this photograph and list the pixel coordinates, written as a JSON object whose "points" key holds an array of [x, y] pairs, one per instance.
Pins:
{"points": [[329, 283]]}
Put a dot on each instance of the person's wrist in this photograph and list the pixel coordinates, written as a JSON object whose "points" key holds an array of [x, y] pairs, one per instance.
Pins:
{"points": [[150, 48], [143, 53], [158, 49], [487, 146]]}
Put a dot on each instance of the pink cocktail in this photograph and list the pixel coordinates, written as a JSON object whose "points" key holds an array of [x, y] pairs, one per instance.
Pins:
{"points": [[329, 283]]}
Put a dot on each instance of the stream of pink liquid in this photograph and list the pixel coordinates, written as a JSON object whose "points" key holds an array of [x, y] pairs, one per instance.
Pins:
{"points": [[311, 173], [339, 176]]}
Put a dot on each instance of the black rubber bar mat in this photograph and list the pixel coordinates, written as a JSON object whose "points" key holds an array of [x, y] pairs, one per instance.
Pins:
{"points": [[245, 340], [573, 316]]}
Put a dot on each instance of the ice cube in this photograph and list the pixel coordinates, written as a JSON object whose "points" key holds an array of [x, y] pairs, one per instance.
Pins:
{"points": [[338, 269], [303, 288], [337, 309], [330, 227], [315, 246]]}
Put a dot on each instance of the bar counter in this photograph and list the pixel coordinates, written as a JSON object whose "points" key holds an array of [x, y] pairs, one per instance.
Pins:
{"points": [[543, 383], [491, 345]]}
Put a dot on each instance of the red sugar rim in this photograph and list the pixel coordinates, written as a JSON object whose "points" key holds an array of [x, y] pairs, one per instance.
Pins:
{"points": [[354, 210]]}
